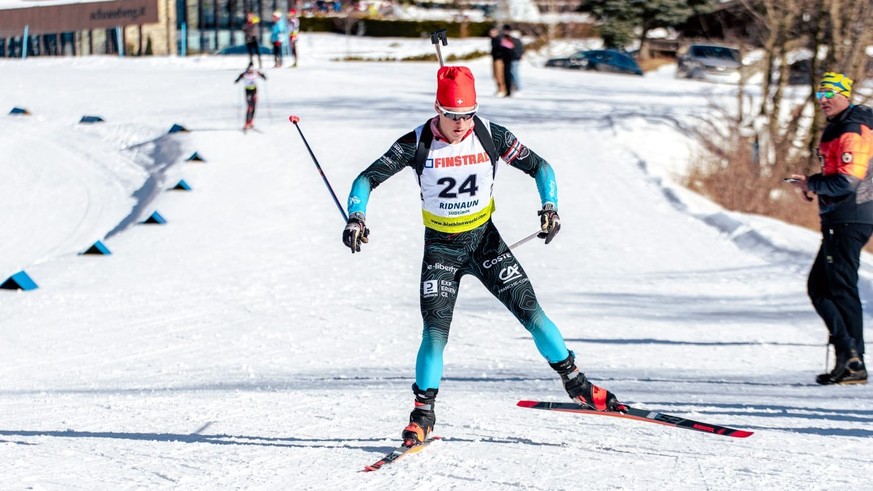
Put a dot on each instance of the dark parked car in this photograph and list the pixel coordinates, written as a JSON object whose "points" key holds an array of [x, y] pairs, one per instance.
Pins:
{"points": [[709, 62], [602, 60]]}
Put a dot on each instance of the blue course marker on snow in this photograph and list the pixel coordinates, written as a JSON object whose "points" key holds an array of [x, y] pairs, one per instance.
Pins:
{"points": [[155, 219], [91, 119], [181, 186], [19, 281], [178, 128], [98, 248], [196, 157], [19, 111]]}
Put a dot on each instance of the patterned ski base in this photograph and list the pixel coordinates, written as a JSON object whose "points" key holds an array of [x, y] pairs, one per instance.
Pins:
{"points": [[400, 452], [640, 415]]}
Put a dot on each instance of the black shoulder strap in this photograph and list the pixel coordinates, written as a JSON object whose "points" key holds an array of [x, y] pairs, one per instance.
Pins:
{"points": [[426, 138], [487, 141], [423, 147]]}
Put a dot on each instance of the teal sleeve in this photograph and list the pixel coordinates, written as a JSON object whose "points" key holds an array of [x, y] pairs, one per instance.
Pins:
{"points": [[546, 184], [359, 195]]}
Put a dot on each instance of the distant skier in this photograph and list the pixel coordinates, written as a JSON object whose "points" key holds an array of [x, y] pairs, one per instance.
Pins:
{"points": [[250, 79]]}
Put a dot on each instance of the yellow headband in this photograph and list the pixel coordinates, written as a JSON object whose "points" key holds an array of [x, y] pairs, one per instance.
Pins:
{"points": [[837, 82]]}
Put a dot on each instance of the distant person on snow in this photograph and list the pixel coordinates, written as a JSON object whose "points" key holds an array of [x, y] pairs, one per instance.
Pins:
{"points": [[293, 33], [455, 155], [845, 205], [250, 82], [250, 31], [277, 37], [497, 61], [511, 51]]}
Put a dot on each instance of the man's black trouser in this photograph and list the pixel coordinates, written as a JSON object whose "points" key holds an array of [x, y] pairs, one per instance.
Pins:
{"points": [[833, 284], [251, 101]]}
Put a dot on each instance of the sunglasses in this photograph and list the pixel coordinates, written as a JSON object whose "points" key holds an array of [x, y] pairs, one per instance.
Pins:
{"points": [[825, 94], [455, 116]]}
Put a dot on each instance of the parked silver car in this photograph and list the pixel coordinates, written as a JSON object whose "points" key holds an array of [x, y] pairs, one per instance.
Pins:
{"points": [[710, 62]]}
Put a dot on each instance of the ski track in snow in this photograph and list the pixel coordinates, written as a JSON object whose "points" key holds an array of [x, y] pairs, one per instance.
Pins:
{"points": [[241, 346]]}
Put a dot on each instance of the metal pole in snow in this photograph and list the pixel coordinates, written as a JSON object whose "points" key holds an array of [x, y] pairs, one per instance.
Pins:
{"points": [[118, 37], [24, 44]]}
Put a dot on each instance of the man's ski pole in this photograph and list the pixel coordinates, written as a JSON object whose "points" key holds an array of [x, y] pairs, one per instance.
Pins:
{"points": [[267, 101], [437, 37], [294, 120], [522, 241]]}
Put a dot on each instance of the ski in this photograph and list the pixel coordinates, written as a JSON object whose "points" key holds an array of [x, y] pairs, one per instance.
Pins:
{"points": [[640, 415], [398, 453]]}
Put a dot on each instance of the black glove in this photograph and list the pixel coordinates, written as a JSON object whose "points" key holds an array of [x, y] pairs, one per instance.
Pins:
{"points": [[356, 232], [550, 222]]}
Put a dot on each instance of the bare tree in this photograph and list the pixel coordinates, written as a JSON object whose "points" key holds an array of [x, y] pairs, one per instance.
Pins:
{"points": [[837, 38], [781, 134]]}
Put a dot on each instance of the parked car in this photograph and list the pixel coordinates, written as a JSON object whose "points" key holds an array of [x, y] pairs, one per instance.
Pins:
{"points": [[800, 73], [710, 62], [601, 60]]}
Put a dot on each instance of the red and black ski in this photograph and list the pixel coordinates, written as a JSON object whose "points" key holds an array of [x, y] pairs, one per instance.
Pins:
{"points": [[400, 452], [640, 415]]}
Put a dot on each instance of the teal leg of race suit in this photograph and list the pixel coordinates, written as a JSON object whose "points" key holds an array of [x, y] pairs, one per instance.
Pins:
{"points": [[482, 253]]}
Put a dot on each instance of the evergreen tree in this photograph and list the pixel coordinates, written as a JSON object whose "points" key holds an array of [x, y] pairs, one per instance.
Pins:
{"points": [[623, 21]]}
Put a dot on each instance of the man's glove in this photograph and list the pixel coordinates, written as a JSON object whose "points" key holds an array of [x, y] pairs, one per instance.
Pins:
{"points": [[356, 232], [550, 222]]}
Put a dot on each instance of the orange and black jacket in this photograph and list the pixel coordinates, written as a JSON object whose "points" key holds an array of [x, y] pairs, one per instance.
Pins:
{"points": [[845, 184]]}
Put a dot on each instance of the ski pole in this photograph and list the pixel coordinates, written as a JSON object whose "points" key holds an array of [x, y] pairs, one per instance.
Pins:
{"points": [[295, 120], [827, 355], [239, 103], [435, 38], [522, 241], [267, 101]]}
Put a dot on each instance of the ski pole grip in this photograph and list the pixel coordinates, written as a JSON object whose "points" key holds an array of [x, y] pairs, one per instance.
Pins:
{"points": [[435, 38], [439, 36]]}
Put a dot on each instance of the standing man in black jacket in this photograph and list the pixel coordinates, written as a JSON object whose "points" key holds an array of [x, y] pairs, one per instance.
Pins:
{"points": [[497, 61], [511, 49], [845, 200]]}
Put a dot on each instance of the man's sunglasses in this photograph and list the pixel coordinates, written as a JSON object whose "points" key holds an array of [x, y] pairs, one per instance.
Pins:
{"points": [[825, 94], [455, 116]]}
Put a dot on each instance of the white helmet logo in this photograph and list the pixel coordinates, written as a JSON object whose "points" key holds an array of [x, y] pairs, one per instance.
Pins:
{"points": [[847, 158]]}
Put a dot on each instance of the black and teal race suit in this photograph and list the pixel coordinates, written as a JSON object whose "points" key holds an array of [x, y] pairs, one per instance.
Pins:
{"points": [[460, 238]]}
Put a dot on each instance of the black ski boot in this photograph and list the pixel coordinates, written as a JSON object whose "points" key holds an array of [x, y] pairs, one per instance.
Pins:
{"points": [[849, 369], [583, 391], [422, 418]]}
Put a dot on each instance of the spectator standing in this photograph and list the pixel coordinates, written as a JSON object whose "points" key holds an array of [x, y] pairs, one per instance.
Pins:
{"points": [[277, 37], [250, 30], [497, 61], [293, 32], [510, 53], [517, 53], [845, 204]]}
